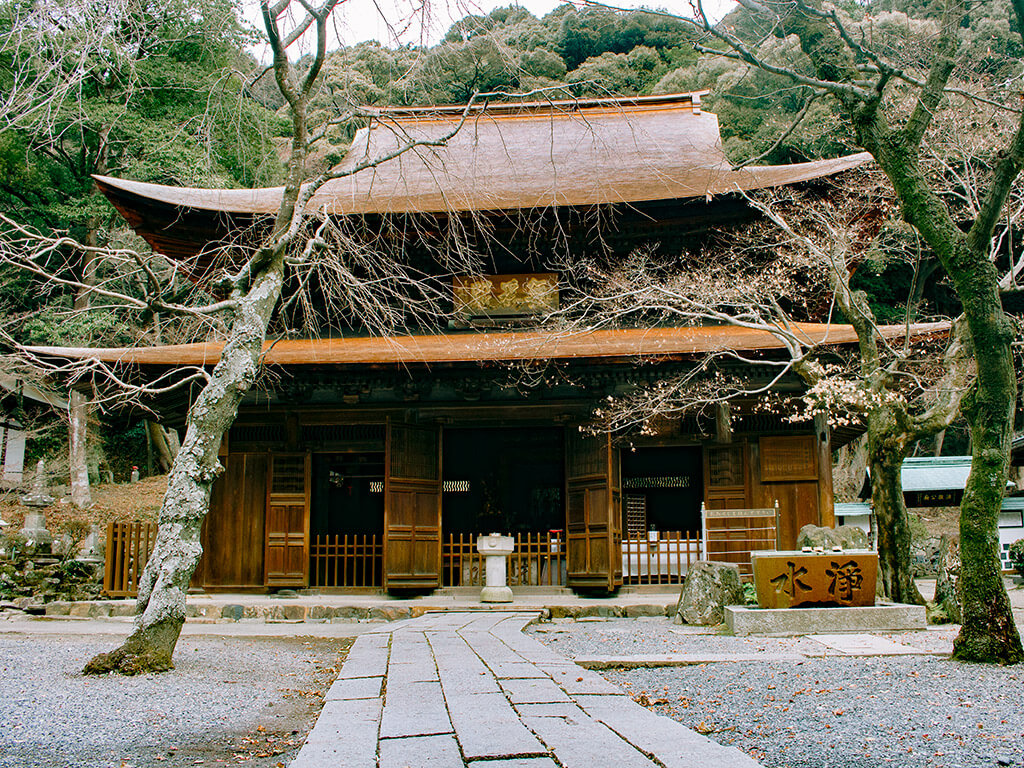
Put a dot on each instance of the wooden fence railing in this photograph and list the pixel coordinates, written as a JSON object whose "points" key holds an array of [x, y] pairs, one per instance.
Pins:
{"points": [[538, 561], [660, 557], [732, 534], [128, 548], [346, 560]]}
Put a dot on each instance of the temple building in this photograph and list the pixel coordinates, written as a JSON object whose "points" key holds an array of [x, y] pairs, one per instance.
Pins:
{"points": [[368, 461]]}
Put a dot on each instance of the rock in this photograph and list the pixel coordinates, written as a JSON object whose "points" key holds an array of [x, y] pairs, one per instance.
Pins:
{"points": [[388, 613], [636, 611], [232, 612], [845, 536], [563, 611], [709, 587], [947, 582], [600, 611], [925, 554]]}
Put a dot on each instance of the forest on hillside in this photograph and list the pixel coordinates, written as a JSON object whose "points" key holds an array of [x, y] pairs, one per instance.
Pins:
{"points": [[169, 91]]}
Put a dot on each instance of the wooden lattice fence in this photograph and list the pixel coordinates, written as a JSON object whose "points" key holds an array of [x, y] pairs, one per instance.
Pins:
{"points": [[128, 548]]}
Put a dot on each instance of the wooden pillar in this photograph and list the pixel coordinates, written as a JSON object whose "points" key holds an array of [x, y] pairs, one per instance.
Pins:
{"points": [[826, 500]]}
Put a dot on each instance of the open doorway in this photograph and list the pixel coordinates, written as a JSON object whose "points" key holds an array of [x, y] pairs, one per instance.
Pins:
{"points": [[506, 480], [347, 520], [663, 489]]}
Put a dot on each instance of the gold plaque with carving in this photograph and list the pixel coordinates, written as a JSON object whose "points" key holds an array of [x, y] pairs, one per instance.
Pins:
{"points": [[497, 295]]}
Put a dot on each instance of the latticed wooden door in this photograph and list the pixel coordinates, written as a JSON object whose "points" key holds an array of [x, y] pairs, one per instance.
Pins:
{"points": [[412, 507], [593, 511], [286, 557]]}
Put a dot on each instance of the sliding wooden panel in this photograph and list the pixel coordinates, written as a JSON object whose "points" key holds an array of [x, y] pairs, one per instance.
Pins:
{"points": [[412, 507], [233, 531], [593, 511], [286, 559], [786, 469], [726, 478]]}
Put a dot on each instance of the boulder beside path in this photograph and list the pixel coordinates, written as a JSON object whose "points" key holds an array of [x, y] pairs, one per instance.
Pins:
{"points": [[709, 587]]}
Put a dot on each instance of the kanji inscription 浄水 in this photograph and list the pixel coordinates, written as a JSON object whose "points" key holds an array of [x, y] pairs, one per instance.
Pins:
{"points": [[792, 579]]}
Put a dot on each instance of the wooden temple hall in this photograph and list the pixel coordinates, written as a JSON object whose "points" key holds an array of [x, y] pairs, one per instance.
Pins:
{"points": [[373, 462]]}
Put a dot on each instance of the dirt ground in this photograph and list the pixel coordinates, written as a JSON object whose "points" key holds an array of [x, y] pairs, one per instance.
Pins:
{"points": [[111, 502], [939, 521]]}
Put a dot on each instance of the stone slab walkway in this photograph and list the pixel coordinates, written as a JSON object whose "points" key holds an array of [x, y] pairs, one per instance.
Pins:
{"points": [[868, 645], [449, 690]]}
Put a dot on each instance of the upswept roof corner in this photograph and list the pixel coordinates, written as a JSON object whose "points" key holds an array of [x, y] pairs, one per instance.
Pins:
{"points": [[506, 157]]}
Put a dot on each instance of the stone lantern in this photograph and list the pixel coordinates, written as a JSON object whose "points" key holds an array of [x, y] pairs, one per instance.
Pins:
{"points": [[495, 548]]}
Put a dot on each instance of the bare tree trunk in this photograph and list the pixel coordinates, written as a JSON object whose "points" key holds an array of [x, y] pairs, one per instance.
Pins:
{"points": [[948, 593], [78, 413], [895, 564], [162, 447], [849, 470], [160, 609]]}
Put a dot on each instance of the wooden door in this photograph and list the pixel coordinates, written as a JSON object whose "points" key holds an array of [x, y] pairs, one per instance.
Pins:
{"points": [[412, 507], [286, 560], [788, 473], [593, 511], [726, 487], [726, 476]]}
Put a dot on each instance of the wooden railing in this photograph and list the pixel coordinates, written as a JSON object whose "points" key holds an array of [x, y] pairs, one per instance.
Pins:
{"points": [[128, 548], [346, 560], [732, 534], [538, 561], [660, 557]]}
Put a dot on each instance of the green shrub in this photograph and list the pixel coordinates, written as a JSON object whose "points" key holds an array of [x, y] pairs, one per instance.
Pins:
{"points": [[1016, 555]]}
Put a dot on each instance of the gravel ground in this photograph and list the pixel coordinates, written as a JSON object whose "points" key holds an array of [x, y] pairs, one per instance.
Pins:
{"points": [[824, 711], [229, 701]]}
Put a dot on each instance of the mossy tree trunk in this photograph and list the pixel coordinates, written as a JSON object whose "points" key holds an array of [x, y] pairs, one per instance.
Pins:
{"points": [[988, 632], [895, 561]]}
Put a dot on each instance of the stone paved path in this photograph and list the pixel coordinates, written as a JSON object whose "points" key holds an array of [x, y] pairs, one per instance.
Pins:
{"points": [[449, 690]]}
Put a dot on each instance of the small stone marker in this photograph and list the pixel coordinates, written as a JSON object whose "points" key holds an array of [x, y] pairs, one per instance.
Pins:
{"points": [[495, 548], [38, 497], [791, 579]]}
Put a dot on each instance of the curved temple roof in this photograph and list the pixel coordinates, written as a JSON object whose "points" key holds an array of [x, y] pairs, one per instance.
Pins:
{"points": [[616, 345], [505, 157]]}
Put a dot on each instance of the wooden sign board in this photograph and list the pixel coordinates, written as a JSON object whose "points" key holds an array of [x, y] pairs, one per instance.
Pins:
{"points": [[792, 579], [788, 458], [503, 295]]}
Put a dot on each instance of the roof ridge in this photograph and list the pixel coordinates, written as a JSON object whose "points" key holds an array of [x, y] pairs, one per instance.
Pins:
{"points": [[544, 105]]}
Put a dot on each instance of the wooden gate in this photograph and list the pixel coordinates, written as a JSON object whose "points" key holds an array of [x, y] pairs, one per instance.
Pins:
{"points": [[593, 511], [286, 558], [412, 507], [129, 546]]}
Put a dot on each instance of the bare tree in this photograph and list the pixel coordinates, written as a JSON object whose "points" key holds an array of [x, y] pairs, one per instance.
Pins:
{"points": [[890, 99], [300, 241], [791, 266], [864, 82]]}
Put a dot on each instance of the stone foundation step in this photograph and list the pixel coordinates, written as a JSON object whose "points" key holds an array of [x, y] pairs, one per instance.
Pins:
{"points": [[285, 610]]}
